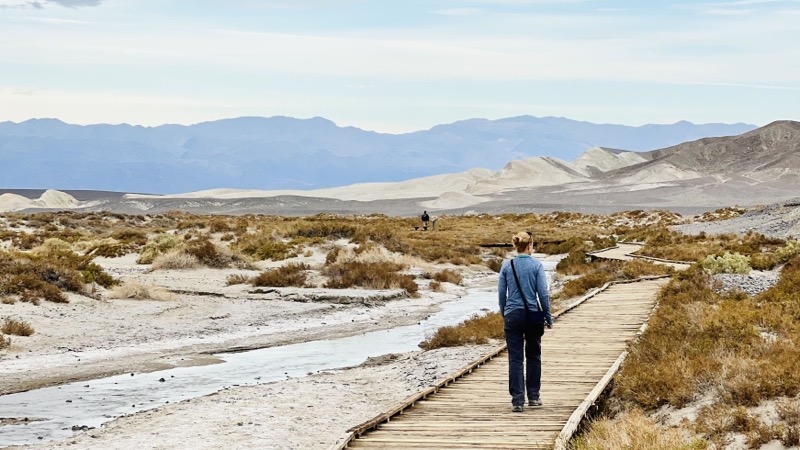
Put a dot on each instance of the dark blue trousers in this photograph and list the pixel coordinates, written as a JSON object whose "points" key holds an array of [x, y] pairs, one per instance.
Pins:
{"points": [[524, 341]]}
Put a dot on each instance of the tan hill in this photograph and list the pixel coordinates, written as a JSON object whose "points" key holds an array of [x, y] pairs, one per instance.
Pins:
{"points": [[599, 159], [765, 154], [528, 173], [50, 199]]}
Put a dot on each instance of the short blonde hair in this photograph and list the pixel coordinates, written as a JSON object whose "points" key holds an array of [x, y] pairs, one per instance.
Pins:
{"points": [[521, 240]]}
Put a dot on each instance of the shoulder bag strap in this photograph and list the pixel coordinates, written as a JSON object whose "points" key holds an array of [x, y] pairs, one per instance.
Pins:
{"points": [[519, 288], [538, 303]]}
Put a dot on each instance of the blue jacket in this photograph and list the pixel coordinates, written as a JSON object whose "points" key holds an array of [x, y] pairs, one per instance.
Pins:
{"points": [[533, 280]]}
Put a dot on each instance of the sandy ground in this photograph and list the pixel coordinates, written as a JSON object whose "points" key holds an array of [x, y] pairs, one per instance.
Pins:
{"points": [[88, 338]]}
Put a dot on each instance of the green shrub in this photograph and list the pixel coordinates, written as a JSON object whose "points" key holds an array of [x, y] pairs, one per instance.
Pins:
{"points": [[727, 263], [788, 251]]}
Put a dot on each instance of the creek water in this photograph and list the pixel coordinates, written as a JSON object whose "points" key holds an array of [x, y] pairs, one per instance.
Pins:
{"points": [[53, 412]]}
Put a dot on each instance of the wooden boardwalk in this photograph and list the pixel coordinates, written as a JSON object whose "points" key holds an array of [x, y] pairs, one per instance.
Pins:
{"points": [[624, 252], [579, 356]]}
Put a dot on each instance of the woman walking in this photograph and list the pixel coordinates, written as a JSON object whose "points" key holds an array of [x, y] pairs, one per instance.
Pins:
{"points": [[525, 307]]}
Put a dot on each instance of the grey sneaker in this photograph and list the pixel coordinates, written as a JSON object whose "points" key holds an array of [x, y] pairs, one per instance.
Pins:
{"points": [[536, 402], [517, 408]]}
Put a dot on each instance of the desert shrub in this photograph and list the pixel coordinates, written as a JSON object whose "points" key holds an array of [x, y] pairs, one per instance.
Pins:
{"points": [[333, 255], [130, 236], [789, 412], [557, 248], [16, 327], [788, 251], [598, 273], [332, 229], [448, 276], [4, 342], [292, 274], [238, 278], [435, 286], [137, 291], [494, 264], [263, 247], [176, 260], [717, 421], [158, 245], [727, 263], [53, 246], [764, 261], [720, 348], [575, 263], [475, 330], [377, 275], [7, 301], [634, 430], [214, 256], [43, 274], [110, 250], [219, 225]]}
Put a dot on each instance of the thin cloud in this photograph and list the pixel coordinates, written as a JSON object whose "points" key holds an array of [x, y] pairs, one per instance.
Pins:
{"points": [[25, 4]]}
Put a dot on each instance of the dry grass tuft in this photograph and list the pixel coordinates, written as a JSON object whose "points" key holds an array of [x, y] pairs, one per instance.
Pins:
{"points": [[598, 273], [8, 301], [238, 278], [379, 275], [16, 327], [436, 286], [447, 276], [134, 290], [160, 244], [494, 264], [475, 330], [634, 430], [292, 274], [175, 260]]}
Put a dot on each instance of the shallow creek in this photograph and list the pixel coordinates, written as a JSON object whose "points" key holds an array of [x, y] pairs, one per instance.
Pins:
{"points": [[53, 412]]}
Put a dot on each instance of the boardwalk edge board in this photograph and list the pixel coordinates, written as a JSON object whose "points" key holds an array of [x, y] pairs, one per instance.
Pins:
{"points": [[355, 432]]}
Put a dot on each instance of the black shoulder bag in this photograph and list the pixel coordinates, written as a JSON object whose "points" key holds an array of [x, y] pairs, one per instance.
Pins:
{"points": [[534, 317]]}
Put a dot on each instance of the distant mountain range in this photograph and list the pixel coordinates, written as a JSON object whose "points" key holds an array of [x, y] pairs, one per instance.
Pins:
{"points": [[287, 153], [758, 167]]}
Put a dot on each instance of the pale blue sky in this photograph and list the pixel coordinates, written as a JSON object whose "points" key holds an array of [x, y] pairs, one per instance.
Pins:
{"points": [[396, 66]]}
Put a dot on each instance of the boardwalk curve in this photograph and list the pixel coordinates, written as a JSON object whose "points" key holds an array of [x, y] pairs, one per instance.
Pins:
{"points": [[473, 410]]}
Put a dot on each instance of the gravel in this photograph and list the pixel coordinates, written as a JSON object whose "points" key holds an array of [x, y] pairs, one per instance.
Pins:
{"points": [[779, 220], [752, 284]]}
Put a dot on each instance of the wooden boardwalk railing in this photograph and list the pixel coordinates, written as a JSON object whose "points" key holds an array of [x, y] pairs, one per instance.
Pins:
{"points": [[472, 410]]}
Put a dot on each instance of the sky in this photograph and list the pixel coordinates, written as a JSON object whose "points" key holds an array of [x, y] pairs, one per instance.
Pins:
{"points": [[398, 66]]}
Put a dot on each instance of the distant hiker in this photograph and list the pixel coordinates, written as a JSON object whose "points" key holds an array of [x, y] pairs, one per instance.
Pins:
{"points": [[425, 219], [525, 307]]}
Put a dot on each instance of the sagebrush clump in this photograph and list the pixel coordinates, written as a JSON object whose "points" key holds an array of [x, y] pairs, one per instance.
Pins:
{"points": [[16, 327], [727, 263]]}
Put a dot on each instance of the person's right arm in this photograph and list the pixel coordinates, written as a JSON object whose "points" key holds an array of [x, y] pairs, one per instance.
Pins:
{"points": [[544, 296]]}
